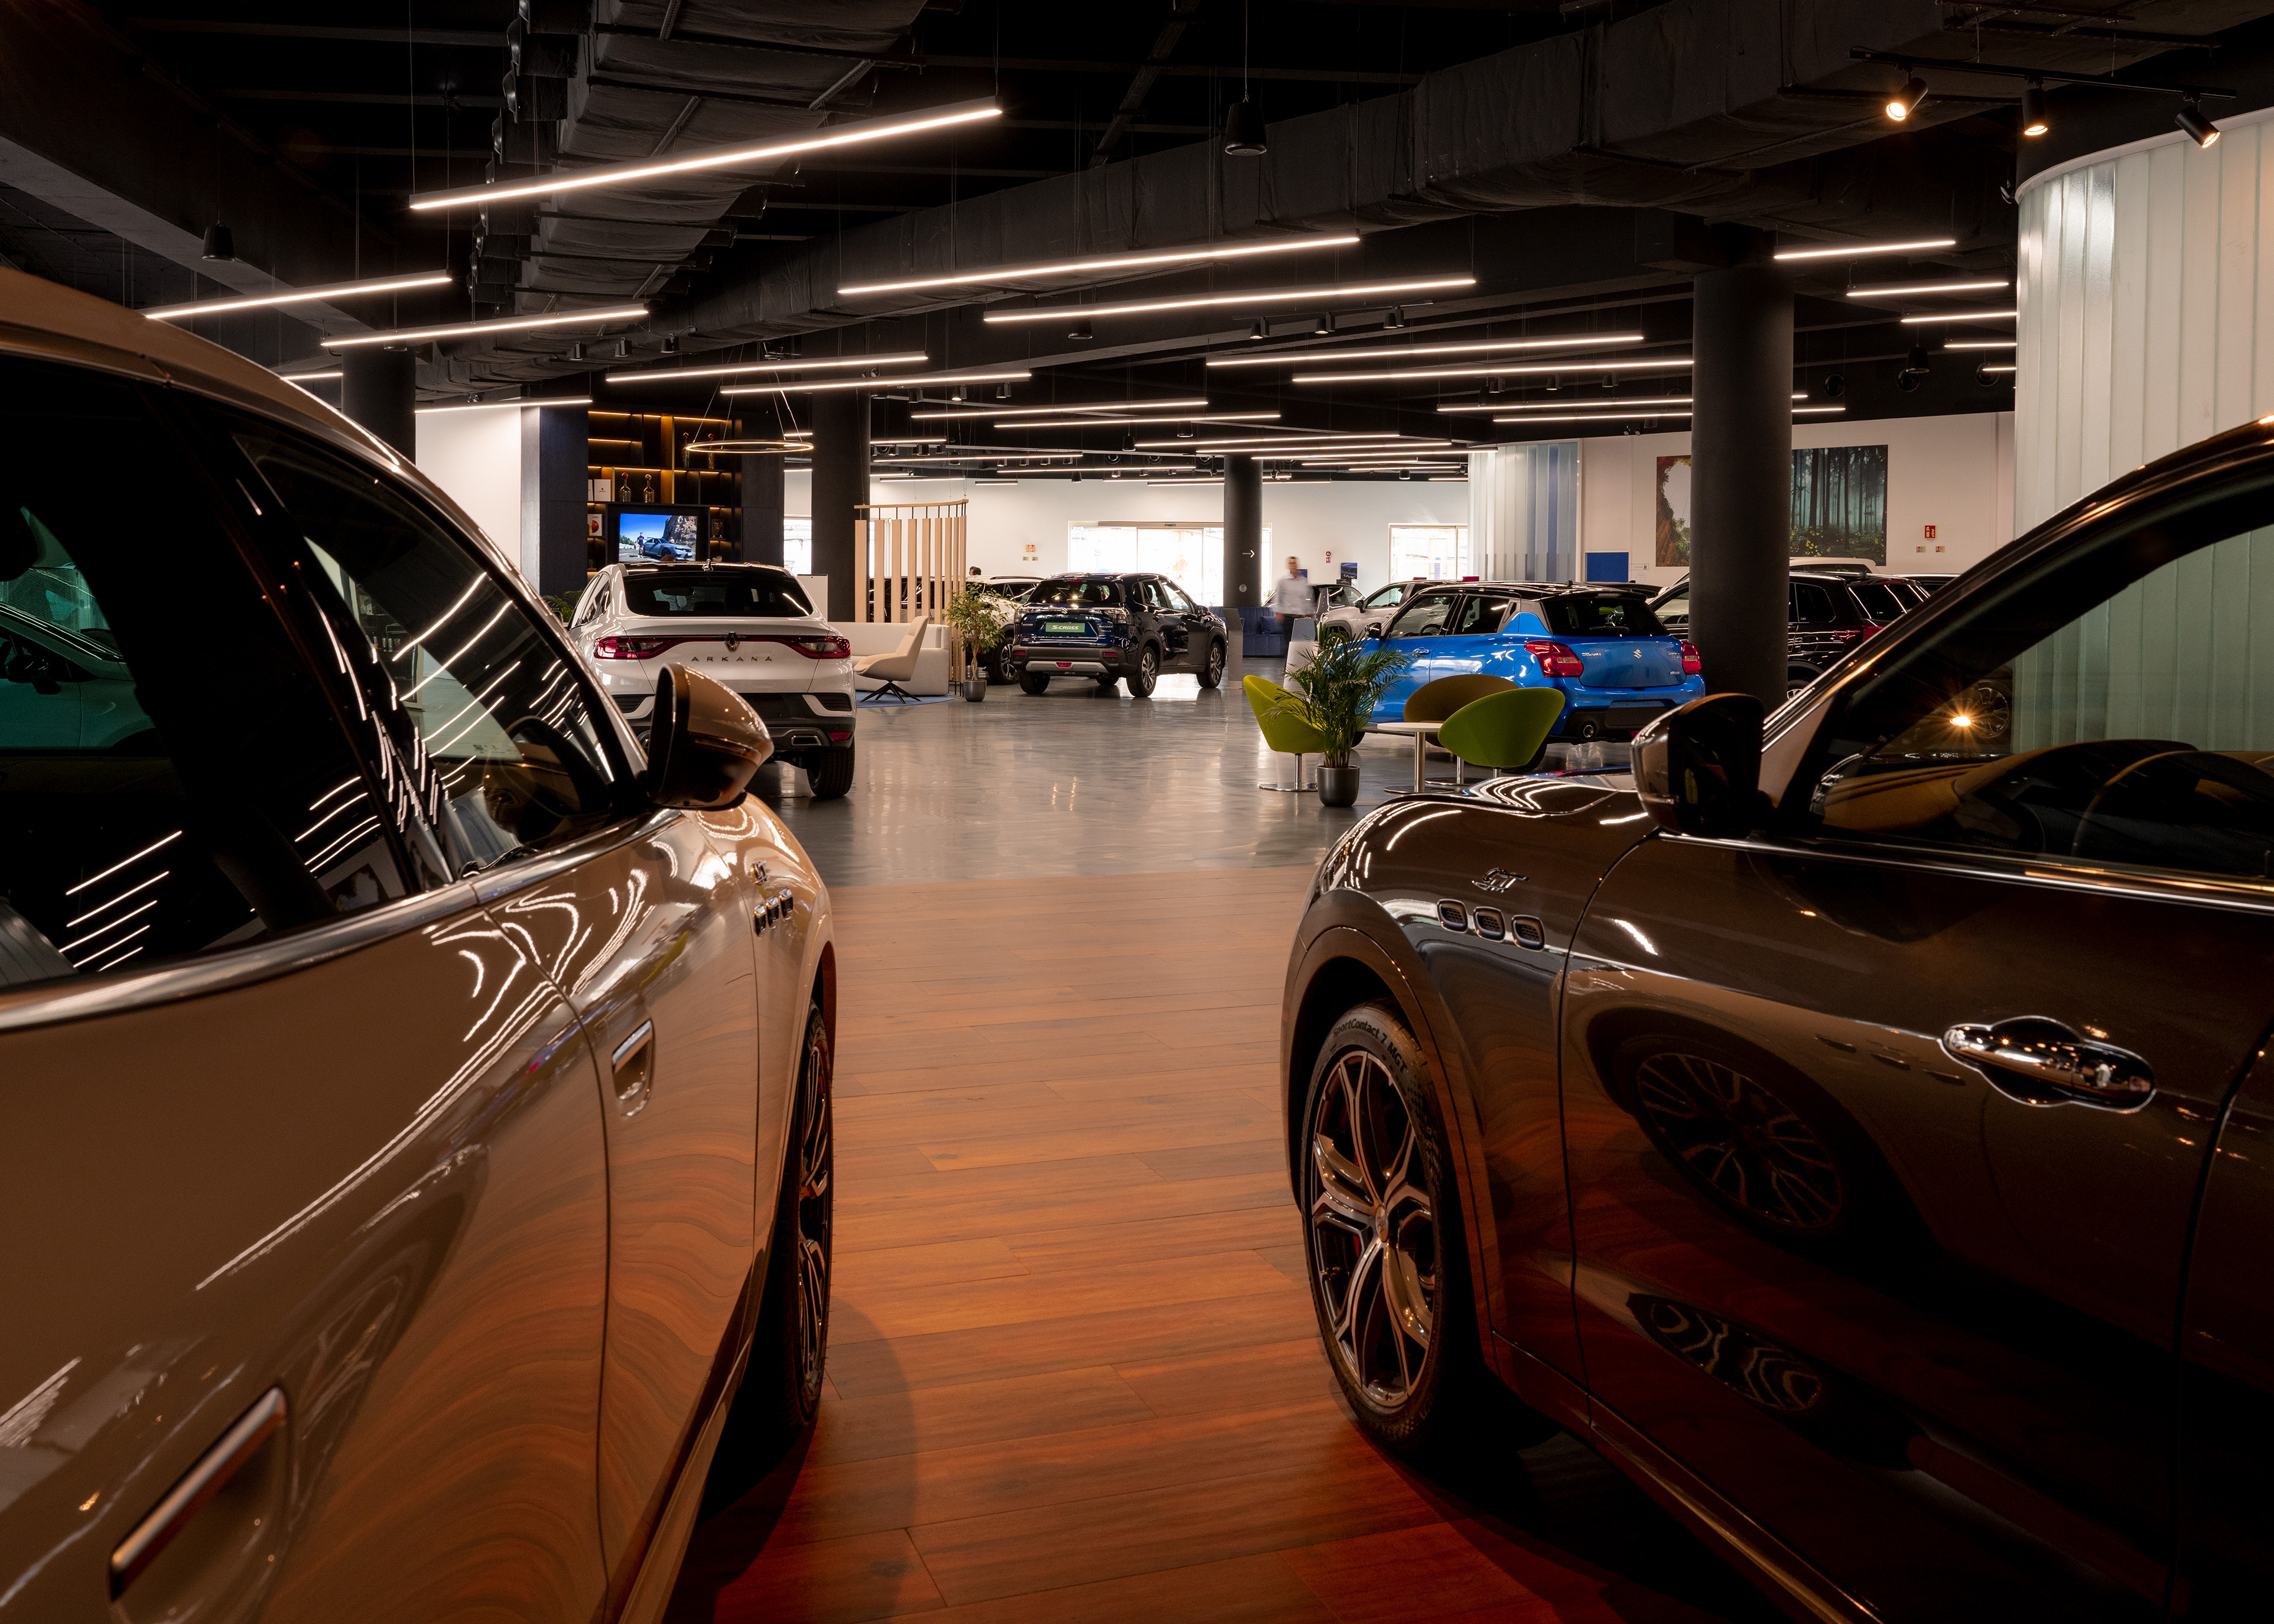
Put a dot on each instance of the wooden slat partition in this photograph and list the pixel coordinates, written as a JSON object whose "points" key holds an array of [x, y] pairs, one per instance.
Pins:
{"points": [[910, 557]]}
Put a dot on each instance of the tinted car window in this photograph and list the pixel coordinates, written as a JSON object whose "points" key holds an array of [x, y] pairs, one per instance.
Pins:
{"points": [[493, 725], [173, 778], [1082, 594], [755, 595], [1424, 617], [1674, 610], [1811, 601], [1386, 597], [1180, 601], [1479, 614], [1880, 599], [2100, 709], [1602, 615]]}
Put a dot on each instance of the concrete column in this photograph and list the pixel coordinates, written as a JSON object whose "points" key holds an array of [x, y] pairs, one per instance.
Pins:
{"points": [[1242, 554], [762, 510], [556, 551], [380, 389], [840, 483], [1741, 476]]}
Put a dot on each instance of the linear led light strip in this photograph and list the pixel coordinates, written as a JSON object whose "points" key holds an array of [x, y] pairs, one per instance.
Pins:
{"points": [[1856, 251], [1663, 364], [901, 382], [1982, 343], [1886, 291], [1288, 442], [914, 357], [509, 324], [1964, 315], [295, 295], [617, 174], [1303, 358], [566, 400], [1045, 411], [1567, 406], [1271, 296], [1797, 411], [311, 377], [1083, 422], [1101, 262]]}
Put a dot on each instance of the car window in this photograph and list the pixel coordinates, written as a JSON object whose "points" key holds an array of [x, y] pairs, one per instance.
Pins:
{"points": [[1880, 600], [173, 777], [494, 723], [2106, 708], [1424, 617], [1673, 609], [1182, 601], [1604, 614], [1386, 598], [1081, 594], [737, 595], [1812, 602], [1478, 615], [1155, 599]]}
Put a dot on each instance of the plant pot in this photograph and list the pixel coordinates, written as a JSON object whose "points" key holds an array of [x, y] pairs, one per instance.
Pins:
{"points": [[1337, 786], [974, 688]]}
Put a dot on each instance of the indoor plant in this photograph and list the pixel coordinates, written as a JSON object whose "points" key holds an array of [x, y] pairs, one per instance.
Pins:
{"points": [[974, 618], [1337, 691]]}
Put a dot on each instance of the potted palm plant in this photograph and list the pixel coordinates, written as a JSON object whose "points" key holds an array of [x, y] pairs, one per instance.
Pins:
{"points": [[976, 622], [1336, 691]]}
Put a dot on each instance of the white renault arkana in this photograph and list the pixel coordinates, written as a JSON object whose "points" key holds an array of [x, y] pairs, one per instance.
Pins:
{"points": [[749, 626]]}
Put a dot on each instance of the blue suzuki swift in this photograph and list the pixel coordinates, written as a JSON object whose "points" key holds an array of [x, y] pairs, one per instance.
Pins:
{"points": [[1616, 665]]}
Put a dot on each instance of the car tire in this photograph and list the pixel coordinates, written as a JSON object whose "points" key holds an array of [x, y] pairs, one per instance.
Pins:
{"points": [[1002, 669], [1106, 685], [1142, 680], [1212, 668], [1032, 683], [1385, 1250], [831, 771], [781, 1390]]}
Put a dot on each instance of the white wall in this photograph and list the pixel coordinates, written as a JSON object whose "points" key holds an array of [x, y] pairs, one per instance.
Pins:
{"points": [[1956, 473], [1350, 520], [475, 457]]}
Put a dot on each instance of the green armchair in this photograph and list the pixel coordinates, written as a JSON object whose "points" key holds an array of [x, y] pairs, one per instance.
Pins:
{"points": [[1280, 714], [1504, 730]]}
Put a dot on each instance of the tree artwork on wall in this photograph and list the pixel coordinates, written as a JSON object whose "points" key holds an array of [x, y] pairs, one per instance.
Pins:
{"points": [[1839, 505]]}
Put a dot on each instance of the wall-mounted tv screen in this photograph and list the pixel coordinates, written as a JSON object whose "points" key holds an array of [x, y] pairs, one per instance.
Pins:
{"points": [[658, 533]]}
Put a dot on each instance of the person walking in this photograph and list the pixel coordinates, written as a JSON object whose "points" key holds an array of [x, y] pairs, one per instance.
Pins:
{"points": [[1295, 601]]}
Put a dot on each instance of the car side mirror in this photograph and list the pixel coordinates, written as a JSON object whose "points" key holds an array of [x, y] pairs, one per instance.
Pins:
{"points": [[1698, 767], [703, 744]]}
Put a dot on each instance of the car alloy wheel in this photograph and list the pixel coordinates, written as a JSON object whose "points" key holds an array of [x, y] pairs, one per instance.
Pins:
{"points": [[817, 1166], [1214, 673], [1735, 1135], [1374, 1229]]}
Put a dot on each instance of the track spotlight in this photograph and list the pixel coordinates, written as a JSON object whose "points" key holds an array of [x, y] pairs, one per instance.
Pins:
{"points": [[1129, 439], [1901, 104], [1610, 382], [1002, 391], [2191, 119], [1915, 368], [2033, 108], [1494, 386], [1555, 382], [1405, 473], [1080, 332], [1185, 431], [580, 351], [1324, 326], [1262, 329], [1395, 320], [219, 244], [1242, 130], [670, 344]]}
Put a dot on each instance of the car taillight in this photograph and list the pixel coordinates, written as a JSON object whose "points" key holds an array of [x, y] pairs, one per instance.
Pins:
{"points": [[1691, 664], [821, 648], [836, 738], [631, 648], [1555, 659]]}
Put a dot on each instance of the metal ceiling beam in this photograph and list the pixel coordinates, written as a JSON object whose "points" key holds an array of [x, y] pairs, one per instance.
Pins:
{"points": [[1132, 99]]}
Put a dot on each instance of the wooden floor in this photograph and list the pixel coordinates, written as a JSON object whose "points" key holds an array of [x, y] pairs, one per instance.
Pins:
{"points": [[1074, 1372]]}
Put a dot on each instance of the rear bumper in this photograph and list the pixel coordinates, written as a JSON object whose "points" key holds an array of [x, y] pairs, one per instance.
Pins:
{"points": [[1616, 713], [797, 721], [1088, 660]]}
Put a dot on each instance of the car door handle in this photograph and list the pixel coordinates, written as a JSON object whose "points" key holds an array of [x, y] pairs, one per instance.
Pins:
{"points": [[633, 1066], [212, 1475], [2040, 1061]]}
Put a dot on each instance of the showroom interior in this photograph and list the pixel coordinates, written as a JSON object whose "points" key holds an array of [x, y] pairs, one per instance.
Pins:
{"points": [[1279, 810]]}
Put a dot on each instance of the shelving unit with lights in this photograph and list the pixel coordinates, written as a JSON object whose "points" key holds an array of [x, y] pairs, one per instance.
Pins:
{"points": [[638, 460]]}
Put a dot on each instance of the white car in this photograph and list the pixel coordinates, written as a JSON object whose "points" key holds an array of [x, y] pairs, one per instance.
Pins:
{"points": [[749, 627], [1366, 617]]}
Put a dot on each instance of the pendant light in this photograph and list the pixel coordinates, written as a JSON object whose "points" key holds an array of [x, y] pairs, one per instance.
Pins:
{"points": [[219, 244], [2033, 108], [1262, 329], [1243, 125], [1395, 320]]}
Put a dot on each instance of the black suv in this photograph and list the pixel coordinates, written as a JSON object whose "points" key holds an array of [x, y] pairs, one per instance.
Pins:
{"points": [[1112, 629], [1831, 612]]}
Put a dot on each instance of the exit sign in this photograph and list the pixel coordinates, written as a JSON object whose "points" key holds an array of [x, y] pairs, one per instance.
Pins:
{"points": [[1929, 532]]}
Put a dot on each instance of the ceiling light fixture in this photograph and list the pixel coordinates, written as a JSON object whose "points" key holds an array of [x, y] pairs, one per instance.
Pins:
{"points": [[1892, 290], [1997, 368], [1288, 442], [911, 358], [1856, 251], [1982, 343], [1661, 364], [1399, 352], [1262, 329], [219, 242], [2033, 108], [1541, 406], [1901, 104], [1083, 422], [1060, 411], [642, 168], [919, 379], [1273, 296], [310, 377], [194, 308], [2190, 118], [511, 324], [1099, 262], [1963, 315], [574, 399]]}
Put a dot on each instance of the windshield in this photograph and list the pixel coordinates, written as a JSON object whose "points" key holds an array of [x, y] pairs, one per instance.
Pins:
{"points": [[1603, 615], [1015, 591], [760, 595], [1880, 600], [1093, 592]]}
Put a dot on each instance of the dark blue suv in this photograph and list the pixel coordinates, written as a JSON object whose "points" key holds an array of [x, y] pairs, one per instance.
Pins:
{"points": [[1112, 629]]}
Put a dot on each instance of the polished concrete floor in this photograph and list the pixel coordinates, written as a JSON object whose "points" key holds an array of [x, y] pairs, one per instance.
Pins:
{"points": [[1074, 1372]]}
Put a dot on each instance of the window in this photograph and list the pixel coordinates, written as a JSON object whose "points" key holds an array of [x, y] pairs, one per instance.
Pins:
{"points": [[1812, 603], [2114, 707], [1602, 615], [1673, 611], [725, 594], [1424, 617], [1429, 551], [173, 777], [1192, 554], [1479, 615], [1084, 594], [486, 718], [1180, 602], [1387, 597], [1880, 601], [797, 546]]}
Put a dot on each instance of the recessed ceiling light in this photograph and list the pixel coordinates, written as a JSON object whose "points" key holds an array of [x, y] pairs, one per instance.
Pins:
{"points": [[218, 305], [1272, 296], [901, 382], [913, 357], [1100, 262], [1302, 358], [642, 169], [509, 324], [1856, 250]]}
